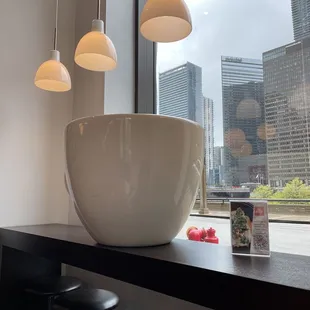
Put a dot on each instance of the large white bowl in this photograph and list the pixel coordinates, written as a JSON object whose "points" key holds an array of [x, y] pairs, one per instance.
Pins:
{"points": [[133, 177]]}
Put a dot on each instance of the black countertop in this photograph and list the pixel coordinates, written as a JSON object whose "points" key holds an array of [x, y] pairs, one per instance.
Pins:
{"points": [[201, 273]]}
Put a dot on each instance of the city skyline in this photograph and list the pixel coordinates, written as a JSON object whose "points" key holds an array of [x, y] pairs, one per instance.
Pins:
{"points": [[265, 106], [211, 39]]}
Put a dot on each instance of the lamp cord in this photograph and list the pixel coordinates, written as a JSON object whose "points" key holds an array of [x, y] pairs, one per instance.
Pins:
{"points": [[56, 26], [98, 9], [56, 20]]}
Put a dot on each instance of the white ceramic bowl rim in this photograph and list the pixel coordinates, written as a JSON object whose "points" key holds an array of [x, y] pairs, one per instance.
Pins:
{"points": [[135, 115]]}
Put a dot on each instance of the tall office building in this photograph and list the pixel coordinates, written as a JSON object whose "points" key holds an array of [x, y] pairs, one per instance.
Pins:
{"points": [[180, 93], [218, 166], [243, 115], [301, 19], [209, 138], [287, 106]]}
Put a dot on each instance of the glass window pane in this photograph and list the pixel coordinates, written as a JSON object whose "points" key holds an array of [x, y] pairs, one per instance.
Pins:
{"points": [[244, 75]]}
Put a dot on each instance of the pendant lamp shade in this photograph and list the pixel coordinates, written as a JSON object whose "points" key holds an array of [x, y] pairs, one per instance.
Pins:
{"points": [[95, 50], [52, 75], [165, 21]]}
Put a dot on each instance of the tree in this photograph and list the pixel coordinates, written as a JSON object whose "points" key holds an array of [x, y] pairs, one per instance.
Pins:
{"points": [[262, 191], [294, 189], [239, 223]]}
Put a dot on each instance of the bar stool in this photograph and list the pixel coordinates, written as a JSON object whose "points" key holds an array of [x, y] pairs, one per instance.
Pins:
{"points": [[46, 289], [88, 299]]}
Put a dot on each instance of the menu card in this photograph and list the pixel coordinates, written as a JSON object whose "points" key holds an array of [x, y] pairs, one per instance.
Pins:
{"points": [[249, 227]]}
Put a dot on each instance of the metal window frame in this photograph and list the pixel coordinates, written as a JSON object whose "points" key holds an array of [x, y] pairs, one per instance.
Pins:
{"points": [[145, 69]]}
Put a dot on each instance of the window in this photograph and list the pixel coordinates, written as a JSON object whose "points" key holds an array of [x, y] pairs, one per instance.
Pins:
{"points": [[244, 75]]}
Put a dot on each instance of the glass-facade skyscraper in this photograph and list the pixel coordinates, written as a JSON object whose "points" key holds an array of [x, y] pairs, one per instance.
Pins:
{"points": [[208, 106], [287, 106], [180, 93], [218, 165], [243, 117], [301, 19]]}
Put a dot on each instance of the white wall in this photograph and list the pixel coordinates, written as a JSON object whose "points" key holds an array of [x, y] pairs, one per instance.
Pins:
{"points": [[31, 120]]}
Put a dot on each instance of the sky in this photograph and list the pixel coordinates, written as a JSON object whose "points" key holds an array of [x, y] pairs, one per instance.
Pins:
{"points": [[238, 28]]}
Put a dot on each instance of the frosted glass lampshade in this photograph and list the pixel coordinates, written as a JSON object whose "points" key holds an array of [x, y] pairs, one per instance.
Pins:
{"points": [[165, 21], [52, 75], [95, 50]]}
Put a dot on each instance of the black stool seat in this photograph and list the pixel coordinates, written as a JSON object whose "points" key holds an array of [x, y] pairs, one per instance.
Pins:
{"points": [[53, 286], [88, 299]]}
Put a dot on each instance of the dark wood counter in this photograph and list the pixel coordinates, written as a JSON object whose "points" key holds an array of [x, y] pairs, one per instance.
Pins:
{"points": [[201, 273]]}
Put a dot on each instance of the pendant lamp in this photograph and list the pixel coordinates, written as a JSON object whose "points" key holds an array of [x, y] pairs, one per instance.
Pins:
{"points": [[95, 51], [52, 75], [165, 21]]}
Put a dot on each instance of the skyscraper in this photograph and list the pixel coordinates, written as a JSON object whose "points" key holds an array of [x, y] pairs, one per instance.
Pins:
{"points": [[218, 166], [209, 139], [243, 114], [301, 19], [180, 93], [287, 106]]}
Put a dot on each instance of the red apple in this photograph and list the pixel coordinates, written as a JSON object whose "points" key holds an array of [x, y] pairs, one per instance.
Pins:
{"points": [[189, 229], [194, 235]]}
